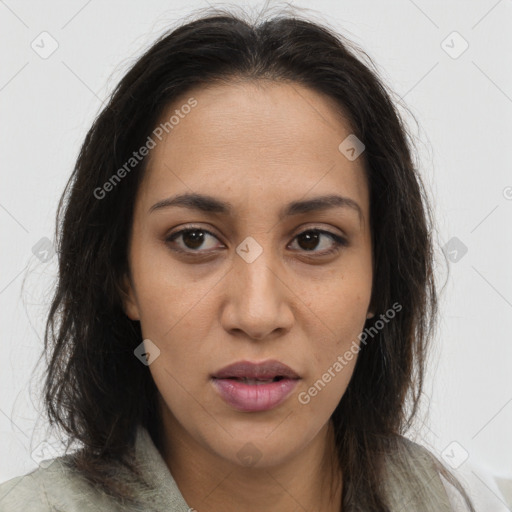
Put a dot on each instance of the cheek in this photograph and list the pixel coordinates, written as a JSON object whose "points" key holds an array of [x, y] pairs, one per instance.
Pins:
{"points": [[332, 366], [169, 294], [175, 314], [319, 395], [338, 305], [339, 308]]}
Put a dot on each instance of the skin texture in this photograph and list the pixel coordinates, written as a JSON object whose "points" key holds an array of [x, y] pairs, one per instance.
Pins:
{"points": [[258, 146]]}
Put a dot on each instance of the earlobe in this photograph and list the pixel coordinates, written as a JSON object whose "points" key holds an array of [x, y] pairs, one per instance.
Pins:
{"points": [[370, 315], [128, 299]]}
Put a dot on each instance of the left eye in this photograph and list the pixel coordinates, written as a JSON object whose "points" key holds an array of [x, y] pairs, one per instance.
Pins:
{"points": [[309, 240]]}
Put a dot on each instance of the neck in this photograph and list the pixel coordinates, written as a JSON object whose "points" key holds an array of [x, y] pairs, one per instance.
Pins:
{"points": [[210, 483]]}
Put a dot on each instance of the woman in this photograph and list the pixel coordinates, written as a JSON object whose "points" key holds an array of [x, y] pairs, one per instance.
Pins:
{"points": [[246, 288]]}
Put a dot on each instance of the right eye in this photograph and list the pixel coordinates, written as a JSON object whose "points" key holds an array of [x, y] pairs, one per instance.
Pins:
{"points": [[191, 240]]}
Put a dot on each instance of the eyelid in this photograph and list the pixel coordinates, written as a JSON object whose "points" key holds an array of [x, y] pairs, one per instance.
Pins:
{"points": [[309, 226], [312, 226]]}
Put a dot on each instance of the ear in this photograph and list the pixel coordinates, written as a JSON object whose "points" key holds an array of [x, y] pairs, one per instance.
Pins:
{"points": [[130, 306], [371, 306]]}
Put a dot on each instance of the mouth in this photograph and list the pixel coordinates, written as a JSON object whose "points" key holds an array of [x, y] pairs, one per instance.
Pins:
{"points": [[254, 387], [256, 382], [266, 370]]}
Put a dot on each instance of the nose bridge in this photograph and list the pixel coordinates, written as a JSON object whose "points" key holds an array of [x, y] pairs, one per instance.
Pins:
{"points": [[254, 270], [258, 297]]}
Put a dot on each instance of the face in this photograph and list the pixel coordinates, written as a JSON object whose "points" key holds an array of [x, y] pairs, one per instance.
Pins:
{"points": [[261, 274]]}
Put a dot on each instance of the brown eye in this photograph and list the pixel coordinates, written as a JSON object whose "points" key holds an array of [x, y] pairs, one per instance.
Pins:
{"points": [[309, 241], [196, 240], [192, 239]]}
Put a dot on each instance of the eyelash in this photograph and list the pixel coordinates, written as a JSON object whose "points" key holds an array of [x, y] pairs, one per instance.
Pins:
{"points": [[339, 241]]}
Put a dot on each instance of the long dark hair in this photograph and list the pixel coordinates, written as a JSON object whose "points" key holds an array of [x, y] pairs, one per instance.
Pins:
{"points": [[96, 390]]}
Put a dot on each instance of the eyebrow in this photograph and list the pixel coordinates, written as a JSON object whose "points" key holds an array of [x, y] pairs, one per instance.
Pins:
{"points": [[209, 204]]}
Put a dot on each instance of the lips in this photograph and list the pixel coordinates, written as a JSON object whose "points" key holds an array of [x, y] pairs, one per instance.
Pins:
{"points": [[253, 387], [265, 371]]}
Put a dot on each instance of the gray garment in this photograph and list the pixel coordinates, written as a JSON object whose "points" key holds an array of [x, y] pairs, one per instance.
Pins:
{"points": [[57, 489]]}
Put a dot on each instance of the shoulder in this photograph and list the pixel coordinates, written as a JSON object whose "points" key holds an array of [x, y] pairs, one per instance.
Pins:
{"points": [[405, 455], [53, 487], [469, 487], [141, 482], [414, 475], [22, 493]]}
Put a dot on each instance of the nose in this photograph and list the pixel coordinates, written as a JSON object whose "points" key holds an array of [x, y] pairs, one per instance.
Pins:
{"points": [[258, 301]]}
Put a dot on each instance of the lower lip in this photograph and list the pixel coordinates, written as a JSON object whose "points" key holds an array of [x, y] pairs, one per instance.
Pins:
{"points": [[254, 397]]}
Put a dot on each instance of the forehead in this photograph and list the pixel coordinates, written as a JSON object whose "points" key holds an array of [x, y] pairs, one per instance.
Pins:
{"points": [[268, 141]]}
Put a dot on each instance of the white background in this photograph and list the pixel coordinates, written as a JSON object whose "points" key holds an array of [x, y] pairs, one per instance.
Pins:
{"points": [[464, 109]]}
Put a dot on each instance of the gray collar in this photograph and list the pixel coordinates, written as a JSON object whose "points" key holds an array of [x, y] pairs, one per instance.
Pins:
{"points": [[165, 494]]}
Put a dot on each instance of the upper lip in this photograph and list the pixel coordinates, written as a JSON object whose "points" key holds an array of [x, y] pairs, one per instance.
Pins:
{"points": [[264, 370]]}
